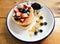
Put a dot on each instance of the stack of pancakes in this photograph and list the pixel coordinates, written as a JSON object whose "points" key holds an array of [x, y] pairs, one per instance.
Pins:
{"points": [[27, 22]]}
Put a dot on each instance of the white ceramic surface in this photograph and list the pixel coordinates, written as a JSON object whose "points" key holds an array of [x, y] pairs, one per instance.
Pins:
{"points": [[21, 34]]}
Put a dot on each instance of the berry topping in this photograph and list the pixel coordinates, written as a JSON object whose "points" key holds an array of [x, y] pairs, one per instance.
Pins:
{"points": [[35, 33], [22, 10], [29, 7], [16, 10], [22, 20], [16, 18], [18, 14], [25, 15], [41, 17], [36, 6], [45, 23], [28, 10], [21, 13], [24, 6], [40, 30], [41, 24]]}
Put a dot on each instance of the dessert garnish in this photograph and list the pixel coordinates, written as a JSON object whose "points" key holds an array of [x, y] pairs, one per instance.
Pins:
{"points": [[41, 24], [45, 23], [36, 6], [41, 17], [21, 13], [16, 18], [40, 30], [35, 33]]}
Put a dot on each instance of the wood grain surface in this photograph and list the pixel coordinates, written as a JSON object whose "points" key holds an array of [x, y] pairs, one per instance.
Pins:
{"points": [[6, 38]]}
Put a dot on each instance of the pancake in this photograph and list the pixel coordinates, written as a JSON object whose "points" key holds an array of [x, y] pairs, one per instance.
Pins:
{"points": [[27, 21]]}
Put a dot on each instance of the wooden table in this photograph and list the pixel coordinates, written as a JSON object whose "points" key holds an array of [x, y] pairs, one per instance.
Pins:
{"points": [[6, 38]]}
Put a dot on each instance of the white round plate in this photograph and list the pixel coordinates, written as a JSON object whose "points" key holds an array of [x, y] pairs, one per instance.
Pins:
{"points": [[22, 35]]}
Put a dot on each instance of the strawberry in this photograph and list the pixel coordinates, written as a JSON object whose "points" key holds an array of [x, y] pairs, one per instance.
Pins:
{"points": [[24, 6], [28, 7], [16, 10], [18, 13], [22, 20], [24, 15]]}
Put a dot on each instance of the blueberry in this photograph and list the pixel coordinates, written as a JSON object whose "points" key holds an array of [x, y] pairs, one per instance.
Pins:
{"points": [[24, 10], [40, 30], [20, 9], [35, 33], [16, 18], [45, 23], [41, 24], [37, 12], [28, 10], [41, 17]]}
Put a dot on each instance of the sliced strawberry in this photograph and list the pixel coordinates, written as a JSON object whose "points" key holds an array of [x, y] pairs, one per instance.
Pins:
{"points": [[24, 15], [16, 10], [29, 7], [22, 20], [18, 13], [24, 6]]}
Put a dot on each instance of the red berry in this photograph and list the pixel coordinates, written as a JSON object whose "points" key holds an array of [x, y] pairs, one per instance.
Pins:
{"points": [[24, 15], [18, 14], [24, 6], [22, 20], [28, 7], [16, 10]]}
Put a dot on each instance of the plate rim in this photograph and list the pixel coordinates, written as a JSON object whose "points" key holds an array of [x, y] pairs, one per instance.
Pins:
{"points": [[29, 41]]}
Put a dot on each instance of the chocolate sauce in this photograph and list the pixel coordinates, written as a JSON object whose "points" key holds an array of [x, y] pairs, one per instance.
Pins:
{"points": [[36, 6]]}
